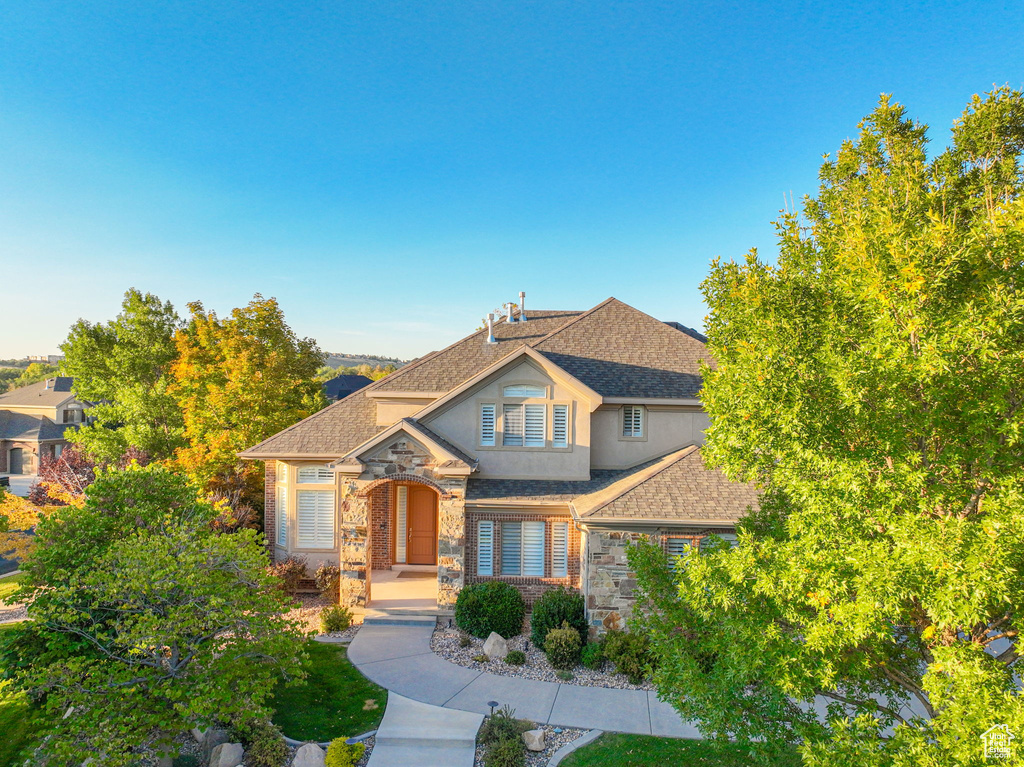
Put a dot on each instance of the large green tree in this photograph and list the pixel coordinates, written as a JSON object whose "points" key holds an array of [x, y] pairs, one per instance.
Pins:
{"points": [[146, 621], [871, 381], [238, 380], [122, 366]]}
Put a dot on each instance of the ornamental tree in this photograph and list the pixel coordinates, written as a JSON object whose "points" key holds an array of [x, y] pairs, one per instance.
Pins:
{"points": [[871, 382], [146, 621]]}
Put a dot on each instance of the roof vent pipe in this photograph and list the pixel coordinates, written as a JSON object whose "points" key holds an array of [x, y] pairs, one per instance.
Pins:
{"points": [[522, 306], [490, 328], [511, 316]]}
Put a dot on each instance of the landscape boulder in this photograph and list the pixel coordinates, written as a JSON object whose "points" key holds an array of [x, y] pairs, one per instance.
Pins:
{"points": [[308, 755], [227, 755], [534, 740], [495, 647], [211, 738]]}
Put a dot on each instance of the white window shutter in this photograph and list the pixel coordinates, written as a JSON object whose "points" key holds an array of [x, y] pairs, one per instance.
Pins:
{"points": [[511, 548], [485, 547], [559, 549], [306, 519], [560, 426], [282, 516], [487, 425], [401, 511], [535, 425], [632, 421], [315, 475], [325, 520], [512, 428], [533, 548], [315, 519], [525, 391]]}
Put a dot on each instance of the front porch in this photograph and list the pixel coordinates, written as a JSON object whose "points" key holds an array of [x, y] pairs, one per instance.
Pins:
{"points": [[404, 589]]}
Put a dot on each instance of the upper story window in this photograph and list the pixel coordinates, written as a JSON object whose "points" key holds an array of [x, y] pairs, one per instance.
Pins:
{"points": [[315, 475], [633, 417], [73, 415], [523, 425], [559, 426], [525, 391]]}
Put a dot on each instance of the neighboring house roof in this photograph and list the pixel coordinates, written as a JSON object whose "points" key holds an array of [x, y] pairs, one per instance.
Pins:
{"points": [[49, 393], [340, 387], [678, 488], [613, 349], [29, 428]]}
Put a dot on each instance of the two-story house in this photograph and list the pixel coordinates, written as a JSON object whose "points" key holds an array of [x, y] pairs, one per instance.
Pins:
{"points": [[530, 452], [33, 420]]}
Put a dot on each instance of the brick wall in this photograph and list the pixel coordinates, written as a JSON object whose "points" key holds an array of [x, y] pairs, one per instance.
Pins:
{"points": [[529, 587], [381, 550], [270, 505]]}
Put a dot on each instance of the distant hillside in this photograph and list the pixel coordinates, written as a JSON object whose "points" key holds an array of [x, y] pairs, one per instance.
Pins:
{"points": [[338, 360]]}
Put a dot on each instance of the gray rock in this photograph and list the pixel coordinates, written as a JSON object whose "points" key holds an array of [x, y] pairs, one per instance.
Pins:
{"points": [[198, 734], [495, 647], [212, 738], [308, 755], [534, 740], [227, 755]]}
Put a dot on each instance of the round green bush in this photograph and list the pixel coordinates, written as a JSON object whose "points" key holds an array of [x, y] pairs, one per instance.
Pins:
{"points": [[554, 608], [264, 744], [507, 753], [630, 653], [562, 646], [490, 606], [515, 658], [335, 618], [342, 754]]}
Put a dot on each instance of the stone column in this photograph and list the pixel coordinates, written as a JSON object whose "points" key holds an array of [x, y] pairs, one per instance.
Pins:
{"points": [[354, 547], [451, 542]]}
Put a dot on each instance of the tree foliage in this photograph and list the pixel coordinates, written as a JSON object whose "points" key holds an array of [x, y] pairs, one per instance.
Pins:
{"points": [[146, 620], [871, 382], [239, 380], [122, 367], [62, 480]]}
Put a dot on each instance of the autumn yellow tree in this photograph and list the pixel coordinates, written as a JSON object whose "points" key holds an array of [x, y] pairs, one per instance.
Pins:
{"points": [[239, 380]]}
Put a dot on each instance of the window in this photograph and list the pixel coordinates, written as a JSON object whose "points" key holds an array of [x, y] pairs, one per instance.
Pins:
{"points": [[401, 515], [524, 391], [729, 538], [559, 549], [560, 426], [522, 548], [678, 547], [485, 547], [487, 425], [282, 516], [315, 519], [632, 421], [523, 425], [281, 475], [315, 475]]}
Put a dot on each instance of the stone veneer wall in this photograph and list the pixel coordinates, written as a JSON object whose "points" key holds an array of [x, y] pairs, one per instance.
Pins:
{"points": [[609, 581]]}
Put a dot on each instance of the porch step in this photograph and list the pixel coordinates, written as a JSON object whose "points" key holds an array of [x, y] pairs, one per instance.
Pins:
{"points": [[382, 618]]}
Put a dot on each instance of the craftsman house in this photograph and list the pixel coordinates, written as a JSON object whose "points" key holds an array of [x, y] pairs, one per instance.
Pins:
{"points": [[531, 451], [33, 420]]}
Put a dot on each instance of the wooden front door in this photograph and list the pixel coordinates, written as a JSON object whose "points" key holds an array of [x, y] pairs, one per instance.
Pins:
{"points": [[421, 545]]}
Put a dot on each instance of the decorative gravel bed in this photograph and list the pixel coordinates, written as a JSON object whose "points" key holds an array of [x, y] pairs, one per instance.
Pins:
{"points": [[308, 610], [12, 613], [552, 742], [446, 643]]}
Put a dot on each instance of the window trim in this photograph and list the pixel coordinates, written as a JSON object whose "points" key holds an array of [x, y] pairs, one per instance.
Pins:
{"points": [[282, 516], [319, 468], [522, 548]]}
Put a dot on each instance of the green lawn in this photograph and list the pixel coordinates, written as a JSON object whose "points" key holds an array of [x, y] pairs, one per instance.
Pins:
{"points": [[334, 701], [612, 750], [9, 584], [21, 724]]}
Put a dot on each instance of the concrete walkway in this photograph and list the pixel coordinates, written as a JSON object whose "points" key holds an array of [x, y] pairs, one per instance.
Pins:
{"points": [[399, 658], [424, 735]]}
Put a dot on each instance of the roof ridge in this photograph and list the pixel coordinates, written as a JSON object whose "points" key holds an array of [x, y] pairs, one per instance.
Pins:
{"points": [[642, 476], [574, 320]]}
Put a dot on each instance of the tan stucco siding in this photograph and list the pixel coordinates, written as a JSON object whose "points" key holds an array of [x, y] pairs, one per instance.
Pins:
{"points": [[665, 429], [391, 411], [460, 425]]}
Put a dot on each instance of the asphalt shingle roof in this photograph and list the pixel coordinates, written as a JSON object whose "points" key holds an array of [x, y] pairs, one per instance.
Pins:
{"points": [[30, 428], [39, 394]]}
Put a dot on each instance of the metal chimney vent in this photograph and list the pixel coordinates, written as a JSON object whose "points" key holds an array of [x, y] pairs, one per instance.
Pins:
{"points": [[490, 329], [522, 306]]}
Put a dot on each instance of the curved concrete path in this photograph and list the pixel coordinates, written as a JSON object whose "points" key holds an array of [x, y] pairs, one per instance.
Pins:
{"points": [[399, 657], [424, 735]]}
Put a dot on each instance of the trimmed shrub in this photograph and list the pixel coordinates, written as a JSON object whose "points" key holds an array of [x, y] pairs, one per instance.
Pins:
{"points": [[630, 653], [562, 646], [565, 675], [264, 744], [335, 618], [552, 609], [592, 656], [503, 726], [290, 570], [342, 754], [490, 606], [328, 580], [508, 753], [515, 658], [464, 640]]}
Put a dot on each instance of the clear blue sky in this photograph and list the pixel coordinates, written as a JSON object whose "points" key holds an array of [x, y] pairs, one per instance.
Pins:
{"points": [[392, 171]]}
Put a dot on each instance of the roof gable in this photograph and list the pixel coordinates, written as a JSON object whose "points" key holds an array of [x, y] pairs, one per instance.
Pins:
{"points": [[449, 458]]}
